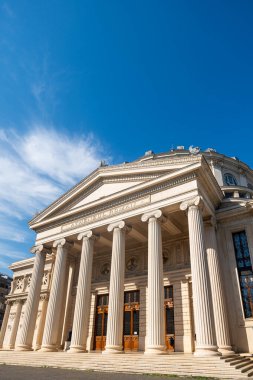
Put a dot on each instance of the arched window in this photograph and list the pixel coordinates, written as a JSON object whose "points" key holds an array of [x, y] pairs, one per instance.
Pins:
{"points": [[230, 179]]}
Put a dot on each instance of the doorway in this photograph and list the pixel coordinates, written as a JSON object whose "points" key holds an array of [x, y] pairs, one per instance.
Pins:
{"points": [[169, 318], [101, 322], [131, 320]]}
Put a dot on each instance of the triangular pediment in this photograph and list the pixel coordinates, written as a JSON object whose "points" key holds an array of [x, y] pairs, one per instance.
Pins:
{"points": [[108, 182], [103, 190]]}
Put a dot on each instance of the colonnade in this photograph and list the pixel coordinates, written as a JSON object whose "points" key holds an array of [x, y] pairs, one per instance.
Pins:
{"points": [[211, 324]]}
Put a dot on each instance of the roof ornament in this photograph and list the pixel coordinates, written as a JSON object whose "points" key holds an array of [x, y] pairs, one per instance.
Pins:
{"points": [[149, 153], [102, 163], [210, 150], [194, 150]]}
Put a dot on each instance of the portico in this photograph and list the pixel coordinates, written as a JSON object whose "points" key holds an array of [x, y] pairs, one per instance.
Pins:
{"points": [[133, 269]]}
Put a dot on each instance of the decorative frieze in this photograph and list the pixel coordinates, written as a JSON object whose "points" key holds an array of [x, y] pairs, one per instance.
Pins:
{"points": [[106, 214]]}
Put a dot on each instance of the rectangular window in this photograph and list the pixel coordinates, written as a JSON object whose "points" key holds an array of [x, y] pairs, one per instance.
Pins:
{"points": [[245, 272]]}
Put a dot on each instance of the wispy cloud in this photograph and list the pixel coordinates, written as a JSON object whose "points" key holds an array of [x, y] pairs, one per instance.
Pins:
{"points": [[35, 168]]}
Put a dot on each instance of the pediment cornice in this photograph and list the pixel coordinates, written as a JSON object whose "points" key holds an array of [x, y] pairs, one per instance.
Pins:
{"points": [[141, 170], [147, 181]]}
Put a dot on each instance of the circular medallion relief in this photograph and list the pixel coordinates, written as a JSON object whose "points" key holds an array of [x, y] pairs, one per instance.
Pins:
{"points": [[105, 269], [132, 264]]}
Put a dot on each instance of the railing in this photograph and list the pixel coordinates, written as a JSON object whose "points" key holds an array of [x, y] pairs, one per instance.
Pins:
{"points": [[239, 192]]}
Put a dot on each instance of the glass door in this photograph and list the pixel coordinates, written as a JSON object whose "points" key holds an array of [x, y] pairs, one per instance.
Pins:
{"points": [[131, 320], [169, 318], [101, 322]]}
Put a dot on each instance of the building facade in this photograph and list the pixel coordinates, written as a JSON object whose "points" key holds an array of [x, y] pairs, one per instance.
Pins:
{"points": [[154, 255], [5, 286]]}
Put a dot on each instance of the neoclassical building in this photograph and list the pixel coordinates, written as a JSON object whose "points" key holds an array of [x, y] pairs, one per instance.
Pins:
{"points": [[154, 255]]}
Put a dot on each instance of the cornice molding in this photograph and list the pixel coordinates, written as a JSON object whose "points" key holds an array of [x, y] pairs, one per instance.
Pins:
{"points": [[110, 170], [122, 200]]}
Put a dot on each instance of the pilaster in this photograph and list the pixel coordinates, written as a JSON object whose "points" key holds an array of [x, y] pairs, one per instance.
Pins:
{"points": [[14, 330], [5, 322]]}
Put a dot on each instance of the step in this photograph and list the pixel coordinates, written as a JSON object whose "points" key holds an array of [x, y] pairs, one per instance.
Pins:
{"points": [[247, 368]]}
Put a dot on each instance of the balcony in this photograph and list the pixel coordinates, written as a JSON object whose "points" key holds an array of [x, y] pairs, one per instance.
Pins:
{"points": [[233, 193]]}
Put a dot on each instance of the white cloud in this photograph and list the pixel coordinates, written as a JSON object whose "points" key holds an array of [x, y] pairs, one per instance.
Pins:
{"points": [[40, 165], [35, 168]]}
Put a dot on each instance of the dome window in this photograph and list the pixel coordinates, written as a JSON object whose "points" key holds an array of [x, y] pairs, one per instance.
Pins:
{"points": [[230, 179]]}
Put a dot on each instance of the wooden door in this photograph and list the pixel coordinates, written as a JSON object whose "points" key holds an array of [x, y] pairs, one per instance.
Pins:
{"points": [[131, 321], [169, 318], [101, 322]]}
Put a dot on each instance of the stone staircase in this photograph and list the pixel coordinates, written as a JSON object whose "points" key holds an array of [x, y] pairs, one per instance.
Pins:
{"points": [[232, 367]]}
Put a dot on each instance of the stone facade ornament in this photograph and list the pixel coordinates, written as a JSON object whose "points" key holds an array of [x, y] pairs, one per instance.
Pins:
{"points": [[132, 264], [105, 269]]}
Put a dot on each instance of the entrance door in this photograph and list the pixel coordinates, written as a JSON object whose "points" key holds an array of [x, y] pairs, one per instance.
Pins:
{"points": [[101, 322], [169, 318], [131, 320]]}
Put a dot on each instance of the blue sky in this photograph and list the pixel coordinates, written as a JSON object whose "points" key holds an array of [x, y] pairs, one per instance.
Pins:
{"points": [[82, 81]]}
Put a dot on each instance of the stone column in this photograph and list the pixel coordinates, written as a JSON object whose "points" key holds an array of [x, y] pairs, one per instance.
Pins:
{"points": [[68, 304], [82, 306], [44, 299], [15, 325], [31, 309], [5, 322], [155, 307], [49, 342], [202, 303], [218, 298], [116, 293]]}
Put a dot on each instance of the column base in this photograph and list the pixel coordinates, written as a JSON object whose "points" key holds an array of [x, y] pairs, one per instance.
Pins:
{"points": [[77, 350], [226, 350], [49, 348], [113, 350], [23, 347], [156, 350], [207, 351]]}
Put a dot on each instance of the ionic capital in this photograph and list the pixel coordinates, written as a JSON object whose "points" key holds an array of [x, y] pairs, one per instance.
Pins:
{"points": [[121, 225], [156, 214], [193, 202], [62, 243], [39, 248], [87, 235]]}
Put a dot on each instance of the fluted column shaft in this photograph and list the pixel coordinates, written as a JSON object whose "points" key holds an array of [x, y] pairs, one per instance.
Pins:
{"points": [[5, 322], [44, 299], [116, 294], [219, 305], [15, 325], [49, 342], [203, 318], [32, 303], [82, 306], [155, 306]]}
